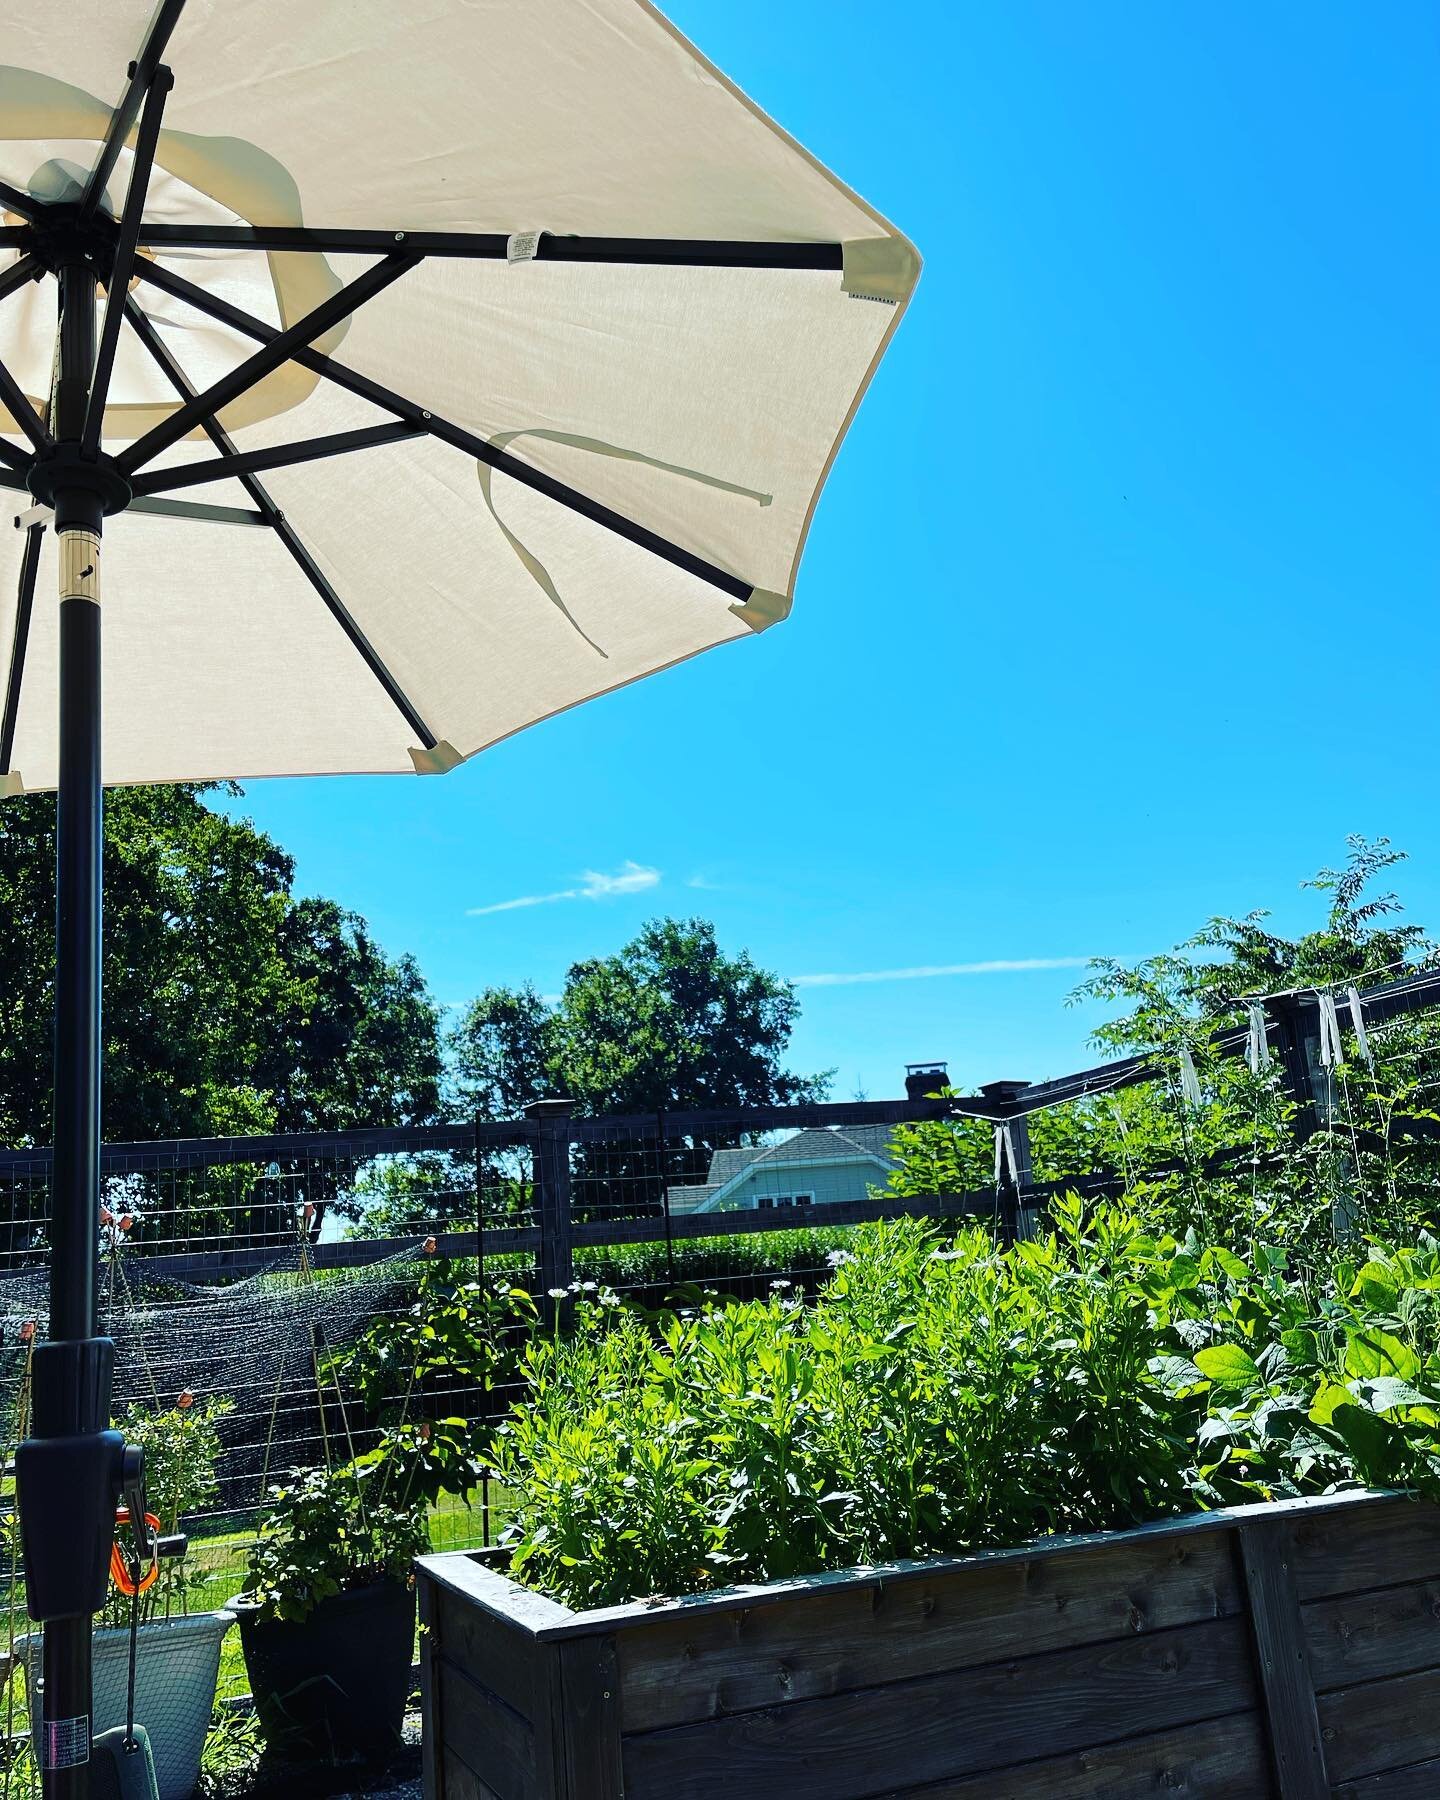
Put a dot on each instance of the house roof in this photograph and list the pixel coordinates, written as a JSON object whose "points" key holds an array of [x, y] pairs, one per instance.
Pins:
{"points": [[725, 1163], [808, 1146]]}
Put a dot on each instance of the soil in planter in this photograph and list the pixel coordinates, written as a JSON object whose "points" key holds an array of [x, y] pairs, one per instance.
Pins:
{"points": [[333, 1688]]}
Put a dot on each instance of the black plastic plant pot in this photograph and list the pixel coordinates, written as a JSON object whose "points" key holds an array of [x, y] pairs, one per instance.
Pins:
{"points": [[333, 1688]]}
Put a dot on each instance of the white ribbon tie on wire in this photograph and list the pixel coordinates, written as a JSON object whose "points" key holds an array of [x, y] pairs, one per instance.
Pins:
{"points": [[1257, 1049], [1189, 1080], [1357, 1021], [1332, 1052], [1005, 1154]]}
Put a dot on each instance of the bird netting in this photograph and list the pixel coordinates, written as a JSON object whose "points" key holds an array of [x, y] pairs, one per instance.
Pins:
{"points": [[243, 1379]]}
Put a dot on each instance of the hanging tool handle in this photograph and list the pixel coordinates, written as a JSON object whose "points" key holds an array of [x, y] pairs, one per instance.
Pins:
{"points": [[138, 1570], [131, 1574]]}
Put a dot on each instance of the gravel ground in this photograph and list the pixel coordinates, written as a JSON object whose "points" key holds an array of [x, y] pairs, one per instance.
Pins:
{"points": [[268, 1781]]}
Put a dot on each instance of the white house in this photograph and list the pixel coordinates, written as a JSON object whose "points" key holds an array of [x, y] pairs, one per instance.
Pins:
{"points": [[811, 1168]]}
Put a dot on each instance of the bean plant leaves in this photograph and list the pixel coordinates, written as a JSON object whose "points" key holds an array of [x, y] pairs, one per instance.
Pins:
{"points": [[1228, 1366]]}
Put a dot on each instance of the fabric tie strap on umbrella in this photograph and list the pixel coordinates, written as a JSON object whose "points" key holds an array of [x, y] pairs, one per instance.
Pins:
{"points": [[471, 360]]}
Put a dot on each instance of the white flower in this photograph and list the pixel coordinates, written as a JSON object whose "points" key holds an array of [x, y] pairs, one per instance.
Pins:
{"points": [[836, 1257], [557, 1293]]}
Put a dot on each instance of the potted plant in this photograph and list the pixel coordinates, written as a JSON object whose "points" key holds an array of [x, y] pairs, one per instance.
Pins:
{"points": [[327, 1616], [177, 1662]]}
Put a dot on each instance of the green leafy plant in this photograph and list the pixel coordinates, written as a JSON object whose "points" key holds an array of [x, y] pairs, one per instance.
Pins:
{"points": [[326, 1532], [941, 1397], [182, 1447]]}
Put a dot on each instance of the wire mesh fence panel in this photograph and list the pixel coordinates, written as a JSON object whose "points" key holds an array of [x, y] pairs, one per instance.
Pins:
{"points": [[241, 1284]]}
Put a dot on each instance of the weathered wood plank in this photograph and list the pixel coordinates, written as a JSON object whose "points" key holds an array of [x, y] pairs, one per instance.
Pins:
{"points": [[1380, 1724], [745, 1596], [941, 1726], [462, 1783], [488, 1735], [589, 1709], [1293, 1726], [1420, 1781], [501, 1657], [466, 1573], [1373, 1546], [828, 1641], [431, 1773], [1363, 1637], [1219, 1759]]}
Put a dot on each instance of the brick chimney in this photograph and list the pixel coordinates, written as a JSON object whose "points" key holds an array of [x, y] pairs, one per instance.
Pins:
{"points": [[924, 1079]]}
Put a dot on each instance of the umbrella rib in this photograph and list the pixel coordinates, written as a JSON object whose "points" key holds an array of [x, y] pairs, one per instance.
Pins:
{"points": [[119, 280], [723, 253], [29, 268], [278, 347], [198, 510], [24, 604], [272, 515], [24, 414], [15, 201], [248, 462], [455, 435], [142, 72]]}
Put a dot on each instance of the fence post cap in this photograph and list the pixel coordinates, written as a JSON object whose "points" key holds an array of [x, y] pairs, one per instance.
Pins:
{"points": [[550, 1109]]}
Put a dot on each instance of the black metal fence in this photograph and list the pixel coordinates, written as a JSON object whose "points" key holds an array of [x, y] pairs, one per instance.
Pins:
{"points": [[242, 1267]]}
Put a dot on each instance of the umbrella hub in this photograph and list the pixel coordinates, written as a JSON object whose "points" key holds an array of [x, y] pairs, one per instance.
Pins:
{"points": [[60, 234], [67, 472]]}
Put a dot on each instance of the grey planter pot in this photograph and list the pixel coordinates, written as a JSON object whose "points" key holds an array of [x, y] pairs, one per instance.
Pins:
{"points": [[176, 1670]]}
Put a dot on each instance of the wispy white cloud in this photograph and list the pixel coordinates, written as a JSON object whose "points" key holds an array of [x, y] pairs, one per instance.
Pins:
{"points": [[629, 878], [1002, 966], [701, 881]]}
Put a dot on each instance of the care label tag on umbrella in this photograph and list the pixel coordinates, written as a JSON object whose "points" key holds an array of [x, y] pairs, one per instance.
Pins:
{"points": [[521, 246], [65, 1743]]}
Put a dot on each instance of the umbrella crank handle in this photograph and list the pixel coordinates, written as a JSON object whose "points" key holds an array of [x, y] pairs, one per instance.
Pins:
{"points": [[132, 1497]]}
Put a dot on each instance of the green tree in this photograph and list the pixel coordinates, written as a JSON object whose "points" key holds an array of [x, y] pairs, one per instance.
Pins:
{"points": [[1229, 1161], [360, 1043], [230, 1006], [502, 1052], [668, 1022]]}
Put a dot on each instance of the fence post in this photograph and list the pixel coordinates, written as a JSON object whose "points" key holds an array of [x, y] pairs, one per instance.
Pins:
{"points": [[553, 1213], [660, 1147], [1016, 1202], [1315, 1098], [1294, 1045]]}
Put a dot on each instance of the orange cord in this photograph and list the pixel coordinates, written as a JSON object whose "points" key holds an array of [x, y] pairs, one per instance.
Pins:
{"points": [[120, 1566]]}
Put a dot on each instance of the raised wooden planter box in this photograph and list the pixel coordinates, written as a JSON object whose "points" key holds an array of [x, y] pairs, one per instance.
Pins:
{"points": [[1289, 1650]]}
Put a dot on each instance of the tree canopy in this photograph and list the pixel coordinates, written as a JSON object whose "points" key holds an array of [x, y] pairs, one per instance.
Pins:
{"points": [[668, 1022], [231, 1004]]}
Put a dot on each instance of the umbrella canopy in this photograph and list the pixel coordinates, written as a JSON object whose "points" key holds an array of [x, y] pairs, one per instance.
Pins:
{"points": [[521, 344]]}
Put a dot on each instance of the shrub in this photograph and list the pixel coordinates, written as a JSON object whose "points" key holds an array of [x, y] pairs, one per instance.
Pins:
{"points": [[182, 1447], [935, 1400]]}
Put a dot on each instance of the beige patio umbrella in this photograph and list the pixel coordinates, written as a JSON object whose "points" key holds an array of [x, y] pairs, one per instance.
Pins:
{"points": [[428, 368], [595, 327]]}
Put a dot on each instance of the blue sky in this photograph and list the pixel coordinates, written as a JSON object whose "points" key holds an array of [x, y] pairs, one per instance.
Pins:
{"points": [[1120, 606]]}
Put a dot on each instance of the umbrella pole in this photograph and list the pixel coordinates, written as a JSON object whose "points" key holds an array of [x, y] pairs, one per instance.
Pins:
{"points": [[74, 1401]]}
